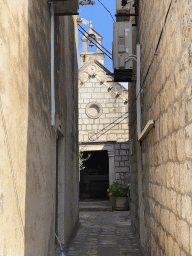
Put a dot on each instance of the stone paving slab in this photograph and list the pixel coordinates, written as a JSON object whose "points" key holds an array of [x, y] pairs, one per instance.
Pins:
{"points": [[104, 234]]}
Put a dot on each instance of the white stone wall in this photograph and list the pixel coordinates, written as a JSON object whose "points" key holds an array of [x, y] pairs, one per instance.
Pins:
{"points": [[113, 107], [109, 120]]}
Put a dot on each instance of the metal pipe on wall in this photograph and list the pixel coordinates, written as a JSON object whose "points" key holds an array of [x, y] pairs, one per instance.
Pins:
{"points": [[138, 92], [52, 68], [139, 151]]}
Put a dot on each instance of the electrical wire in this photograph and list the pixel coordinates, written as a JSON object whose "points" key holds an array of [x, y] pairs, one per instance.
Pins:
{"points": [[107, 129], [82, 147], [142, 86], [112, 127], [110, 124], [94, 39], [159, 40], [58, 239], [133, 108], [106, 9], [96, 45]]}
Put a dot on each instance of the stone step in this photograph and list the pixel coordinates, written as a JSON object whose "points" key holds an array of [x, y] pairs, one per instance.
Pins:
{"points": [[95, 206]]}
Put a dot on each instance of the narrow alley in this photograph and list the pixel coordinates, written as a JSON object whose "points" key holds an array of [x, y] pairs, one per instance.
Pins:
{"points": [[104, 233], [96, 128]]}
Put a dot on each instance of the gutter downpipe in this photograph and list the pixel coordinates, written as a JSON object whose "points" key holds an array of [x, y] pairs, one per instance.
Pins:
{"points": [[53, 97], [139, 152], [52, 68], [138, 93]]}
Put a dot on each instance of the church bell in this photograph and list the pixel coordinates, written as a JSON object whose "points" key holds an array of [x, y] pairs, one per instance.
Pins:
{"points": [[91, 43]]}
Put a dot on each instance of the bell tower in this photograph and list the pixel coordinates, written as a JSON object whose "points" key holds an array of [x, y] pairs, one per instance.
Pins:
{"points": [[91, 36]]}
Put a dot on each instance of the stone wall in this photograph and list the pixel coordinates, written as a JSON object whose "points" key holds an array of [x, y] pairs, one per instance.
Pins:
{"points": [[165, 34], [122, 165], [103, 117], [113, 111], [27, 139]]}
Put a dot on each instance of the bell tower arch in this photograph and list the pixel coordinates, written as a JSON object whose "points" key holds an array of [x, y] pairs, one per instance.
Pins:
{"points": [[91, 36]]}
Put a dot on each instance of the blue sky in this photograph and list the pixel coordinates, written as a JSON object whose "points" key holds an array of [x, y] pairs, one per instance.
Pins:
{"points": [[102, 22]]}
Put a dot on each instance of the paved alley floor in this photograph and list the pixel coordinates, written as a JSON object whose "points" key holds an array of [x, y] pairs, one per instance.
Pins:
{"points": [[104, 233]]}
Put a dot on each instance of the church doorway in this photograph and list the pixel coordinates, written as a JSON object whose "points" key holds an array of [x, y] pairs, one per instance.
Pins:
{"points": [[94, 178]]}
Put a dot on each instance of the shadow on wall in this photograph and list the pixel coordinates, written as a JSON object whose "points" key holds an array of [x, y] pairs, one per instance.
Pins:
{"points": [[41, 140]]}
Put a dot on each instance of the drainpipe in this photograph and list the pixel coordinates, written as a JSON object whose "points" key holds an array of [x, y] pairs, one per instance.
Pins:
{"points": [[53, 94], [139, 152], [138, 93], [52, 68]]}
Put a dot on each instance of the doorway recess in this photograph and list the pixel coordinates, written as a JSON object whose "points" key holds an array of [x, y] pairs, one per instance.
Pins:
{"points": [[94, 178]]}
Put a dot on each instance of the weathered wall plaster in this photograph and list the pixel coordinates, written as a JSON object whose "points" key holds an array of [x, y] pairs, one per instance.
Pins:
{"points": [[28, 141]]}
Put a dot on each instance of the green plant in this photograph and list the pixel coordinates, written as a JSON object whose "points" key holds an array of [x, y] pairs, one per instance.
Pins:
{"points": [[118, 190], [82, 159], [84, 57]]}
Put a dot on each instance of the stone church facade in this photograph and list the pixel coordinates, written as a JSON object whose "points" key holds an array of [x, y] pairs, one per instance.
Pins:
{"points": [[103, 120]]}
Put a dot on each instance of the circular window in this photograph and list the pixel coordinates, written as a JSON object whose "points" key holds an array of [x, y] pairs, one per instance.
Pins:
{"points": [[93, 110]]}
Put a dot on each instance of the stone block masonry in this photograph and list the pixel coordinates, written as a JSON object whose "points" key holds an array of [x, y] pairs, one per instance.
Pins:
{"points": [[166, 179], [111, 115], [103, 117], [122, 166]]}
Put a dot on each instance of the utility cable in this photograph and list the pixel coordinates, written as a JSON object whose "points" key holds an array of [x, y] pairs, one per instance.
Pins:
{"points": [[110, 125], [142, 86], [155, 53], [106, 9], [58, 239], [159, 40], [95, 40], [96, 45]]}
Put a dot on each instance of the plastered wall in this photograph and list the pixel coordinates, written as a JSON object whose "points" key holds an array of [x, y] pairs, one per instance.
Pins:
{"points": [[13, 124], [28, 141], [71, 207]]}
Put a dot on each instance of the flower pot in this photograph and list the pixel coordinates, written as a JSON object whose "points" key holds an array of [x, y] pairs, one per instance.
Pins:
{"points": [[113, 202], [122, 203]]}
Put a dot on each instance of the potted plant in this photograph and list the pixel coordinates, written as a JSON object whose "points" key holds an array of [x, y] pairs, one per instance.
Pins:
{"points": [[119, 196]]}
